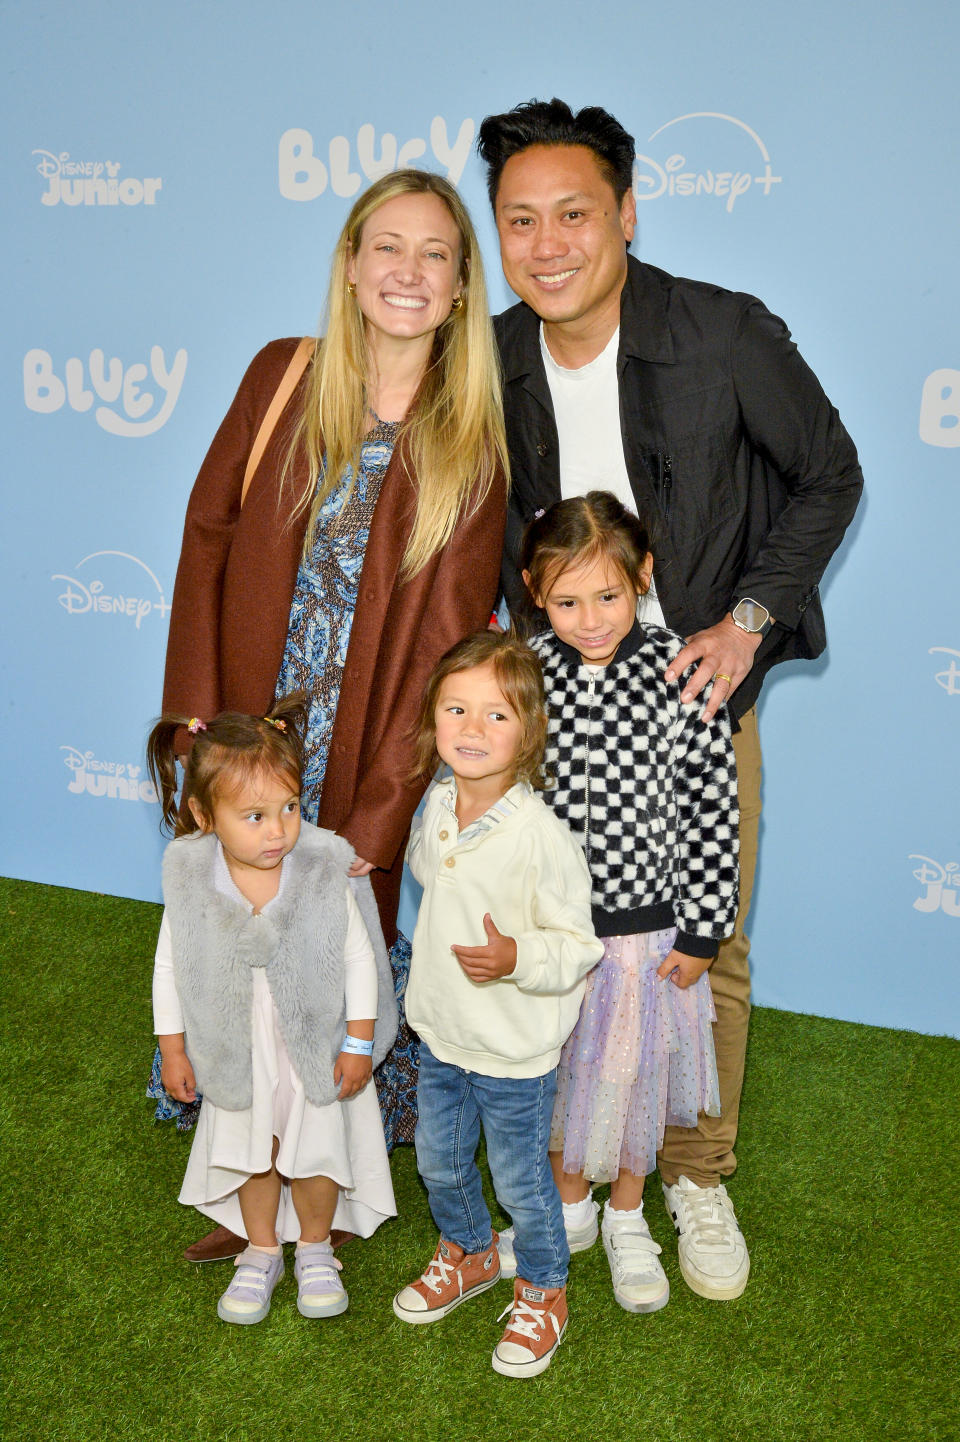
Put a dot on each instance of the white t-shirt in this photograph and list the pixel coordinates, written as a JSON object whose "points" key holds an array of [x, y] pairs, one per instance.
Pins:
{"points": [[586, 404]]}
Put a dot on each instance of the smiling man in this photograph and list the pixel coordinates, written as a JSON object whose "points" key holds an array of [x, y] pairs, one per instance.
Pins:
{"points": [[693, 405]]}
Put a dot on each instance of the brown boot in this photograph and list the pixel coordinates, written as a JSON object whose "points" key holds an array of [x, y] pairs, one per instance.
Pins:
{"points": [[216, 1246], [452, 1276], [221, 1244], [538, 1320]]}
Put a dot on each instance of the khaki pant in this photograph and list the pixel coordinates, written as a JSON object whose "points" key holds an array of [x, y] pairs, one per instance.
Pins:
{"points": [[705, 1153]]}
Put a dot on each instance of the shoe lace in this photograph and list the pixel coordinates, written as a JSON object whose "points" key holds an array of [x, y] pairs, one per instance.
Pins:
{"points": [[437, 1274], [525, 1319], [710, 1219]]}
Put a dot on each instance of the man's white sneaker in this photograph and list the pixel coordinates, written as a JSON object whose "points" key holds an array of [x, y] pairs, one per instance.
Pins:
{"points": [[639, 1282], [579, 1239], [713, 1255]]}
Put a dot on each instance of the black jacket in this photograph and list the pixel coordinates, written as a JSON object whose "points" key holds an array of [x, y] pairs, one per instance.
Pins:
{"points": [[736, 458]]}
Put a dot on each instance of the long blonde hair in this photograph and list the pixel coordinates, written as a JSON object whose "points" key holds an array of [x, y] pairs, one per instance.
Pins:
{"points": [[454, 430]]}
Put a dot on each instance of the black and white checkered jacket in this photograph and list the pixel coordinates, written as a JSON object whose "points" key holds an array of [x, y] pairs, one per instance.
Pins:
{"points": [[648, 790]]}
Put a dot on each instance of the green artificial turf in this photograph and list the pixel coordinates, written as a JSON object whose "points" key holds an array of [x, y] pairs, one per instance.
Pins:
{"points": [[847, 1330]]}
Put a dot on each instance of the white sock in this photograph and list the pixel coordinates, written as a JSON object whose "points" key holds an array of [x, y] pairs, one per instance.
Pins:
{"points": [[578, 1214], [615, 1214], [301, 1245], [276, 1251]]}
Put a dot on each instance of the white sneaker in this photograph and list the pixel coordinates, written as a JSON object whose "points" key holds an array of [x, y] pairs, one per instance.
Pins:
{"points": [[713, 1255], [639, 1282], [579, 1239]]}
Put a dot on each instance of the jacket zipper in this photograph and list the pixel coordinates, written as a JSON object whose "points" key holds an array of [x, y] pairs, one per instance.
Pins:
{"points": [[591, 685], [665, 479]]}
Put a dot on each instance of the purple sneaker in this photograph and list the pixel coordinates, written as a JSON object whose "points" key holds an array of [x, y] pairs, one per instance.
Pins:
{"points": [[247, 1299], [317, 1271]]}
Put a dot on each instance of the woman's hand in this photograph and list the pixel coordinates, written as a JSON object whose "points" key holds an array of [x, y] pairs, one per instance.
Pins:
{"points": [[352, 1072], [176, 1073], [359, 867], [684, 970]]}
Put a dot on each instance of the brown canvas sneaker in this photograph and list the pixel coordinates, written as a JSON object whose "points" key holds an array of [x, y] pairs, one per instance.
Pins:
{"points": [[452, 1277], [538, 1320]]}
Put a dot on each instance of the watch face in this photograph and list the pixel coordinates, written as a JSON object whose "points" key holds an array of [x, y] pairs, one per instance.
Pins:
{"points": [[751, 615]]}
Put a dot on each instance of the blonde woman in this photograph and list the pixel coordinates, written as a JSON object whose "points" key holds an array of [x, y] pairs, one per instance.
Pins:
{"points": [[370, 539]]}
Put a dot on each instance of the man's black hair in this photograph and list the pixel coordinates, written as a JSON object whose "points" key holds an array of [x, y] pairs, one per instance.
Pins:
{"points": [[552, 122]]}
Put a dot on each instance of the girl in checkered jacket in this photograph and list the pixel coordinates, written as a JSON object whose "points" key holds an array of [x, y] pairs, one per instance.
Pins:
{"points": [[649, 790]]}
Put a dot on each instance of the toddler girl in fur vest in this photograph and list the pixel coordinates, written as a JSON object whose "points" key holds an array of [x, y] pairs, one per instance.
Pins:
{"points": [[272, 998]]}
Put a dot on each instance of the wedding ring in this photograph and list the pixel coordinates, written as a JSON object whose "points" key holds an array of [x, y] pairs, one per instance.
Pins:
{"points": [[720, 676]]}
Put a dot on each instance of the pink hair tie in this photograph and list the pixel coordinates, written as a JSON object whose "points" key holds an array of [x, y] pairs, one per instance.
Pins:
{"points": [[538, 514], [194, 725]]}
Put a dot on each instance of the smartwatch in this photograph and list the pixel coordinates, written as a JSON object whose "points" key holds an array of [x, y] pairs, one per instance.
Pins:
{"points": [[751, 617]]}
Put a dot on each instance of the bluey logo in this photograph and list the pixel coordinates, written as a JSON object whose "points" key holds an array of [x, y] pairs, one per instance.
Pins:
{"points": [[92, 182], [949, 677], [130, 409], [304, 176], [724, 164], [941, 885], [89, 594], [940, 408], [116, 780]]}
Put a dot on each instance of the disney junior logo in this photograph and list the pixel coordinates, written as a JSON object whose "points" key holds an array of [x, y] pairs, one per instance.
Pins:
{"points": [[45, 392], [726, 178], [949, 677], [91, 595], [116, 780], [942, 885], [83, 182]]}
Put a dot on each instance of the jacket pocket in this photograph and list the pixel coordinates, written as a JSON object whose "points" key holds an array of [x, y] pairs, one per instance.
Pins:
{"points": [[700, 494]]}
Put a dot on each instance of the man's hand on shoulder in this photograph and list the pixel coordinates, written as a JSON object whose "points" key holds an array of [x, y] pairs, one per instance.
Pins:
{"points": [[724, 652]]}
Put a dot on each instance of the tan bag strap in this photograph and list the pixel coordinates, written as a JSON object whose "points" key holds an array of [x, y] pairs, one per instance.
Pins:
{"points": [[288, 384]]}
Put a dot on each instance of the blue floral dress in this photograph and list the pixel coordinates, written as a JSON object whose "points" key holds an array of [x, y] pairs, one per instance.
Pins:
{"points": [[324, 600], [318, 634]]}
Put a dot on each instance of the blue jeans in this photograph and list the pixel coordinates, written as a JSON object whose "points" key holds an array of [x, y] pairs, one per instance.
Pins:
{"points": [[516, 1113]]}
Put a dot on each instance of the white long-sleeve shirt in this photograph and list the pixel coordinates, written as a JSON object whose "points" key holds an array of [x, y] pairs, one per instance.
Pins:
{"points": [[520, 863]]}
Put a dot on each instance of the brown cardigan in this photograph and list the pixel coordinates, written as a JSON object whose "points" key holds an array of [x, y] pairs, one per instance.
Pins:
{"points": [[231, 607]]}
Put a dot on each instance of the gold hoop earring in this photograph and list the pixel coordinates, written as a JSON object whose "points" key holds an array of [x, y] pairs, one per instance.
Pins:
{"points": [[351, 288], [457, 302]]}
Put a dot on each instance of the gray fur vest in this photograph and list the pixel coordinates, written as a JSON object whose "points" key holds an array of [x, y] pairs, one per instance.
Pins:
{"points": [[299, 941]]}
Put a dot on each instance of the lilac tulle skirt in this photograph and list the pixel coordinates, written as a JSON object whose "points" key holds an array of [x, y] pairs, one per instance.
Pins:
{"points": [[640, 1058]]}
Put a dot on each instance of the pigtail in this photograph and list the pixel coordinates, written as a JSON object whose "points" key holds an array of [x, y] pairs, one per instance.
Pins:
{"points": [[162, 766], [231, 746], [292, 710]]}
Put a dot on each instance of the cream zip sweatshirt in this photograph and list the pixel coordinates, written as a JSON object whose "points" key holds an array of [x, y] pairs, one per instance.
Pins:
{"points": [[520, 863]]}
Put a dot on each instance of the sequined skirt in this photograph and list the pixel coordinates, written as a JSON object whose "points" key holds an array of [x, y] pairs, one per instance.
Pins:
{"points": [[639, 1059]]}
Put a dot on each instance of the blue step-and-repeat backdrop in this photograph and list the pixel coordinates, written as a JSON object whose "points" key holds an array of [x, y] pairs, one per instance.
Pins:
{"points": [[175, 178]]}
